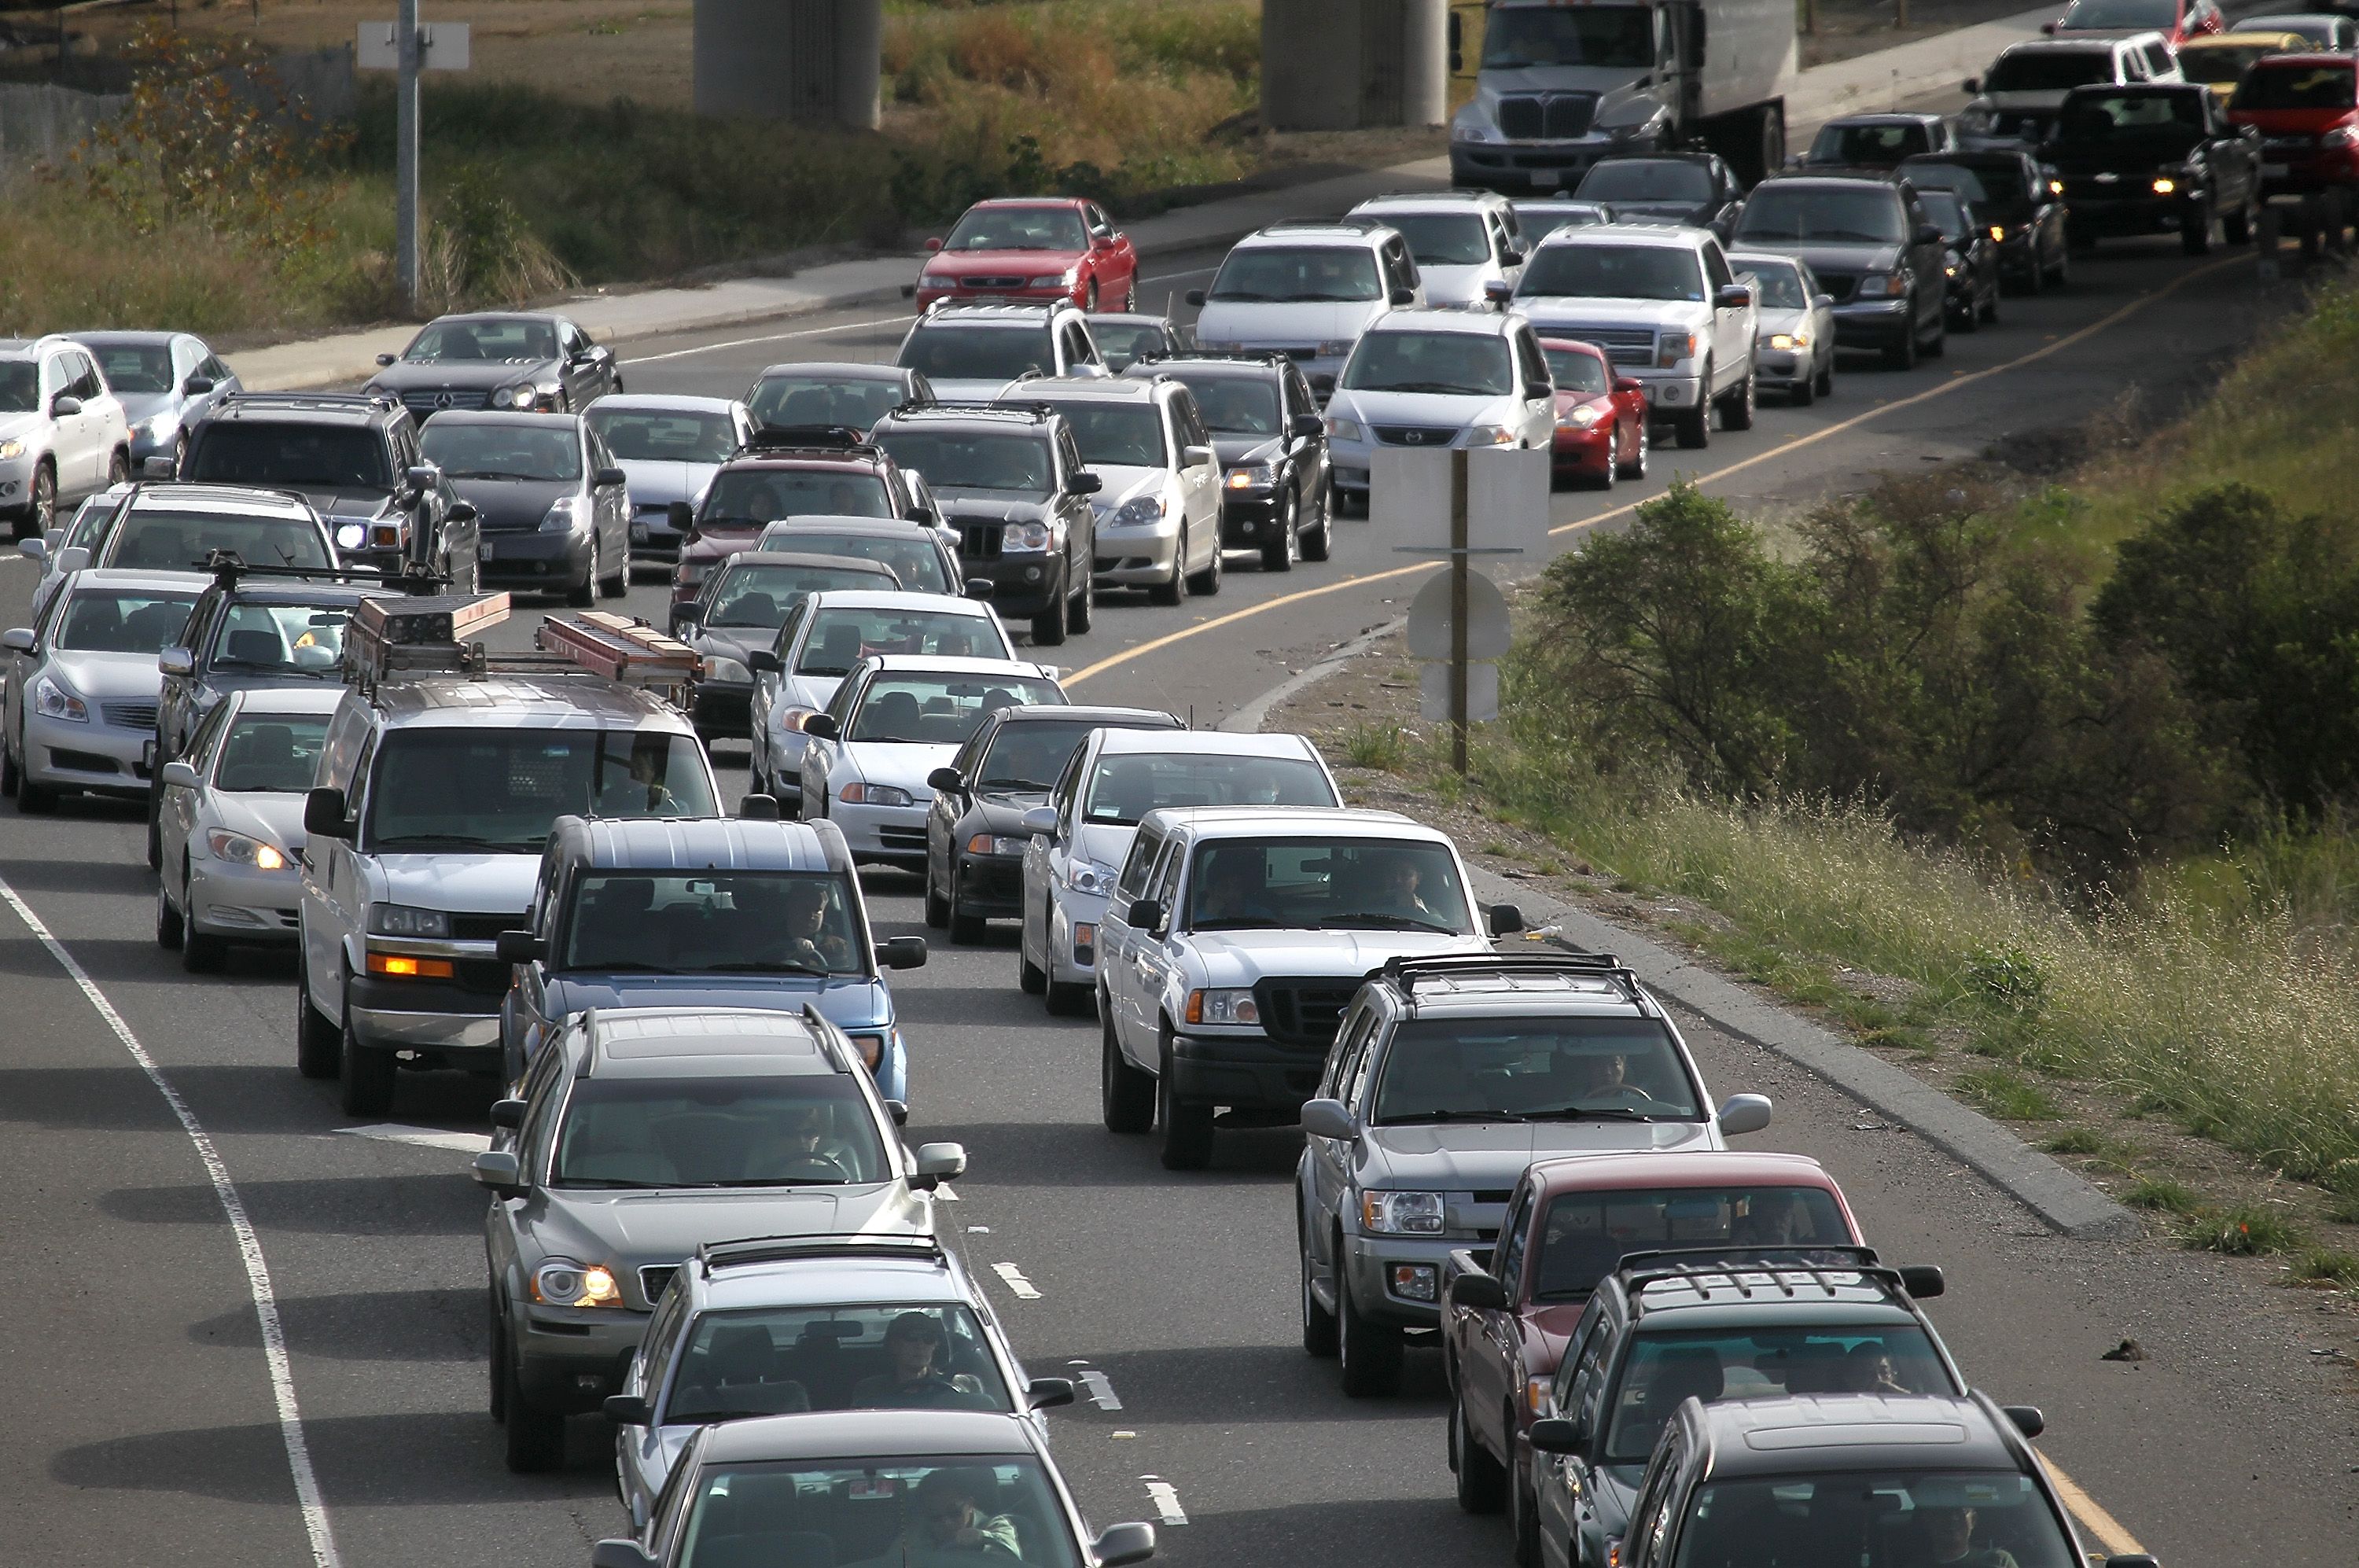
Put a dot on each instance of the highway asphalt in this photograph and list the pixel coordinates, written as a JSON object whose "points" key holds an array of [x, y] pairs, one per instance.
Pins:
{"points": [[141, 1373]]}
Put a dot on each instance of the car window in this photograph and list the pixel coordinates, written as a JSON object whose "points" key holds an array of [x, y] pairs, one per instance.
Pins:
{"points": [[714, 922], [914, 557], [913, 708], [1442, 239], [1577, 1375], [1650, 1535], [274, 754], [1143, 851], [139, 367], [1123, 342], [976, 460], [1296, 274], [503, 450], [1069, 785], [954, 351], [1507, 1259], [500, 789], [663, 1339], [2046, 71], [758, 594], [2298, 87], [485, 338], [1018, 228], [1614, 272], [877, 1511], [841, 636], [1575, 371], [1235, 405], [1125, 787], [655, 1132], [123, 620], [1343, 1059], [201, 744], [785, 1360], [1473, 1070], [1665, 1368], [1031, 755], [1303, 883], [1166, 878], [752, 497], [1585, 1233], [322, 457]]}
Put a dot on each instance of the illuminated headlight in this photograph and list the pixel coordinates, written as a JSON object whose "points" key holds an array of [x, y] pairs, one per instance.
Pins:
{"points": [[1024, 537], [1334, 348], [1582, 418], [1881, 286], [1998, 233], [1223, 1006], [405, 920], [872, 1049], [154, 425], [1952, 261], [564, 513], [1088, 877], [562, 1282], [996, 844], [2056, 187], [874, 795], [1785, 340], [2340, 137], [1401, 1214], [1138, 511], [11, 449], [792, 719], [1490, 435], [350, 536], [1254, 476], [2164, 185], [240, 850], [52, 701], [1672, 347], [1341, 429]]}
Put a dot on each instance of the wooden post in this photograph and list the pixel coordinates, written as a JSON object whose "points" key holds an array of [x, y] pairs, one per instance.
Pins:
{"points": [[1458, 610]]}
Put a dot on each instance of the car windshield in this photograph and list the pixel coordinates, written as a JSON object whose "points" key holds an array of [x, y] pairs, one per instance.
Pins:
{"points": [[161, 538], [1899, 1519], [306, 457], [20, 387], [497, 789], [1462, 365], [282, 639], [1663, 1369], [778, 1131], [122, 620], [785, 1360], [2047, 71], [1949, 213], [841, 636], [1294, 275], [499, 338], [966, 461], [950, 352], [715, 922], [750, 497], [805, 400], [914, 560], [1584, 1234], [1780, 288], [1978, 184], [1125, 787], [902, 1512], [1442, 239], [1120, 343], [135, 367], [1539, 222], [503, 450], [272, 754], [761, 594], [1117, 435], [1479, 1070], [1031, 755], [2121, 15], [942, 709], [2298, 87], [1575, 371], [1613, 272], [1871, 144], [2093, 120], [1019, 228], [1591, 34], [1868, 214], [1311, 884], [1235, 405], [649, 435], [1646, 179]]}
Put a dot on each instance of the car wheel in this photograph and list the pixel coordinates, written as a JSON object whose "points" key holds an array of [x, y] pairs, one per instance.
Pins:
{"points": [[1126, 1095], [965, 928], [367, 1088], [1522, 1521], [1130, 295], [1207, 583], [1695, 426], [615, 587], [1282, 556], [1049, 626], [1184, 1130], [1176, 588], [1084, 613], [33, 799], [1990, 305], [200, 954], [1319, 536], [497, 1364], [10, 775], [43, 514], [1370, 1352], [1636, 467], [536, 1437], [1804, 394], [1031, 978], [1736, 409], [1827, 378], [168, 928], [319, 1044], [584, 593], [938, 908], [2195, 239], [1481, 1480], [1090, 298], [1318, 1322], [1902, 355]]}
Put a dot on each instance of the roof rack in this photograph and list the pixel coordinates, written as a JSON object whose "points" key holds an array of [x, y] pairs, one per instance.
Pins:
{"points": [[429, 635], [1357, 226], [832, 437], [229, 569], [1406, 971], [1238, 355], [1693, 1265], [353, 400], [754, 1249], [619, 647], [1029, 411]]}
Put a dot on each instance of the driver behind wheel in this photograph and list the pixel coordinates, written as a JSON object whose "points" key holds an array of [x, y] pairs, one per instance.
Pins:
{"points": [[917, 1348]]}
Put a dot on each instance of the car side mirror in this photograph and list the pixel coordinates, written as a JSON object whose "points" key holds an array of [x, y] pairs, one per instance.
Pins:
{"points": [[1506, 919], [387, 358], [178, 775], [500, 1170], [1123, 1543], [1404, 296], [508, 1114], [1627, 384], [1146, 915], [420, 476], [821, 726], [1928, 234], [1195, 456], [519, 947], [979, 588], [1040, 820], [1743, 1114], [899, 1111], [629, 1410], [946, 781], [1822, 302], [1923, 1281], [1305, 427], [681, 516], [460, 512], [937, 1163], [197, 385], [607, 477], [2132, 1560], [757, 807], [18, 640], [326, 815], [1974, 86], [901, 953], [1195, 297], [764, 662], [158, 468], [1733, 297], [176, 661], [1511, 257], [1329, 1118], [73, 558], [1538, 391], [1047, 1393], [33, 548], [1479, 1293], [2028, 1420], [1084, 484], [1498, 292], [63, 404], [1556, 1434], [620, 1553], [2047, 29], [933, 243]]}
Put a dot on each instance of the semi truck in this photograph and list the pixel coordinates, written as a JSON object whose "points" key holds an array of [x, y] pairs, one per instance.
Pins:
{"points": [[1559, 85]]}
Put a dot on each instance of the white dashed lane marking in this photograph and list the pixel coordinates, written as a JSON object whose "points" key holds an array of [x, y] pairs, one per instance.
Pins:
{"points": [[423, 1137], [1014, 1279], [1166, 1498]]}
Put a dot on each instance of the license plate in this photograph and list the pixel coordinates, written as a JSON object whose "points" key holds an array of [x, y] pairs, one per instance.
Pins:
{"points": [[2276, 170], [1547, 179]]}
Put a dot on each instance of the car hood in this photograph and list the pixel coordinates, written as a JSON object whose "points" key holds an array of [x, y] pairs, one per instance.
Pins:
{"points": [[1552, 1326], [1614, 1488], [1232, 450], [2142, 155], [812, 692], [461, 376], [999, 262], [732, 642], [1427, 407], [1121, 482], [1783, 322], [108, 676], [259, 814], [852, 1001], [1550, 311], [634, 1230], [22, 424], [654, 484], [1242, 957], [1447, 286], [1105, 844], [514, 504], [463, 884], [1462, 1156], [343, 500], [1283, 321], [138, 406], [993, 505], [1827, 258], [1002, 811], [1683, 213], [2047, 100], [899, 762]]}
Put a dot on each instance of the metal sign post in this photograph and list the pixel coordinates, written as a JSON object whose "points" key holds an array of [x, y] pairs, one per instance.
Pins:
{"points": [[403, 46], [1458, 621], [1458, 609]]}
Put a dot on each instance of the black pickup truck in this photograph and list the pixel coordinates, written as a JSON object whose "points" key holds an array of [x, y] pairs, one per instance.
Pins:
{"points": [[2152, 157]]}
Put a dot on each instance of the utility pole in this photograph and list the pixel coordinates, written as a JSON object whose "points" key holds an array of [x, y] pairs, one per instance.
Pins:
{"points": [[1458, 570], [405, 162]]}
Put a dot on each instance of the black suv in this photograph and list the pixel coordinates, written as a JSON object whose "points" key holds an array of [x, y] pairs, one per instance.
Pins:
{"points": [[1710, 1323], [1695, 189], [1873, 247], [2016, 197], [2153, 157], [355, 459], [1011, 484], [1272, 446]]}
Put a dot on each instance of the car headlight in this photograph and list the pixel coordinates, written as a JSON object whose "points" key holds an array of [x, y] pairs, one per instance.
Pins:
{"points": [[153, 427], [1335, 348], [510, 396], [996, 844], [719, 668], [874, 795], [1402, 1214], [1341, 429], [1975, 120], [52, 701], [1089, 877], [1880, 286], [1052, 280], [2056, 187], [1024, 537], [350, 536], [1223, 1006], [240, 850], [1489, 435], [688, 574], [1580, 418], [791, 720], [936, 280], [11, 449], [564, 513], [1138, 511], [2165, 185], [562, 1282], [405, 920], [1672, 347], [1254, 476], [1952, 261], [1472, 131], [2340, 137], [1998, 233], [1785, 340]]}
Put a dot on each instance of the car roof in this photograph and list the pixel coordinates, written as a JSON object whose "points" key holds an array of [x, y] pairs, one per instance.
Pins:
{"points": [[942, 664], [696, 844], [316, 699], [1669, 236], [703, 1043], [1703, 1294], [1883, 177], [999, 315], [834, 1435], [309, 407], [2083, 45], [1071, 203], [1468, 202], [1805, 1432], [1130, 318], [139, 577], [1283, 821], [226, 499], [834, 1278], [1884, 117], [894, 599], [1092, 389], [504, 417], [661, 402], [847, 369], [1206, 743], [127, 339], [2246, 36], [863, 459], [1473, 992], [1150, 719], [1626, 1171], [861, 527], [550, 316], [1582, 346], [1259, 366], [548, 702], [860, 564], [950, 413], [1346, 235], [1467, 324]]}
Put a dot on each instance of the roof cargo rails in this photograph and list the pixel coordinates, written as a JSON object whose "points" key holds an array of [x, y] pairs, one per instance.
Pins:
{"points": [[757, 1250], [228, 569], [1783, 1265], [298, 400], [439, 634], [1409, 970], [826, 437]]}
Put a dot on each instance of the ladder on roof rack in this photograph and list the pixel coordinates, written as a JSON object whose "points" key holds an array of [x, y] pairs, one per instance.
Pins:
{"points": [[228, 569], [619, 647], [424, 634]]}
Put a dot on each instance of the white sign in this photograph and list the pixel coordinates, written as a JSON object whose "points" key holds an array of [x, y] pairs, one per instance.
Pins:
{"points": [[441, 45], [1481, 692], [1506, 498], [1486, 619]]}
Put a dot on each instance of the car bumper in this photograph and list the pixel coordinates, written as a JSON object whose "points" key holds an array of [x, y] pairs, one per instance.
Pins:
{"points": [[1135, 556], [1244, 1072], [2019, 252], [1528, 169], [2298, 172], [528, 559], [1021, 585], [1669, 392], [1584, 451], [1396, 1279], [893, 834], [1249, 518], [2130, 214], [926, 298], [99, 758], [238, 903], [455, 1026], [991, 884], [1073, 916], [1880, 325], [653, 537], [16, 481], [1781, 368], [571, 1360]]}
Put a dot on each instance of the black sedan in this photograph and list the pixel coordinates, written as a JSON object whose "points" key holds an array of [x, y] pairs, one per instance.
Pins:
{"points": [[1970, 260], [2015, 195], [1697, 188], [532, 362], [2152, 158], [552, 510], [1272, 448], [738, 614], [974, 834]]}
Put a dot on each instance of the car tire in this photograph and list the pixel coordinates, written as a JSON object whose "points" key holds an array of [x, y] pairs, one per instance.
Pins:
{"points": [[1370, 1353], [1902, 355], [1318, 538], [200, 954], [966, 929], [319, 1043], [1737, 407], [1176, 590], [1049, 626], [10, 774], [118, 468], [1968, 320], [938, 908], [1826, 383], [1126, 1095], [1804, 393], [156, 828], [1481, 1480], [1318, 1322], [2196, 240], [1204, 584], [1636, 469], [536, 1442], [1031, 978], [1938, 344], [584, 593], [1130, 295], [1282, 556], [169, 929], [1084, 612], [34, 800], [42, 514], [1694, 427], [1183, 1130], [496, 1363], [1089, 299], [1522, 1521], [366, 1086], [618, 585], [2238, 226], [1071, 999]]}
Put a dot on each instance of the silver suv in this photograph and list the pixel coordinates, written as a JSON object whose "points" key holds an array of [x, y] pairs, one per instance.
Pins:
{"points": [[63, 434], [974, 353], [1307, 288], [643, 1134]]}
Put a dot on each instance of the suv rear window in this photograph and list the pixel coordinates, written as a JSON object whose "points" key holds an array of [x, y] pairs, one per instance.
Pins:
{"points": [[715, 922], [1121, 435], [1568, 1070], [1293, 275], [1868, 214], [323, 457], [785, 1360], [1764, 1363], [955, 352], [1442, 239], [749, 498], [1233, 405], [856, 402], [1900, 1517], [1646, 179]]}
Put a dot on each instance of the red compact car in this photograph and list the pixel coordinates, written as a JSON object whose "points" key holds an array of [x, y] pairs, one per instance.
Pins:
{"points": [[2306, 108], [1601, 418], [1036, 248]]}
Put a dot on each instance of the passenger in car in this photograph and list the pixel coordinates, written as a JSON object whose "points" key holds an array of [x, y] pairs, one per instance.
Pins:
{"points": [[917, 1346]]}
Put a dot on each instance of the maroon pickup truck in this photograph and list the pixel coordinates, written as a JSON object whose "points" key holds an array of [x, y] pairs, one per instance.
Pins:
{"points": [[1512, 1307]]}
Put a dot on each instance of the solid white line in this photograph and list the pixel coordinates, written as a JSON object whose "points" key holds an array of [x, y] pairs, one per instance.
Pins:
{"points": [[422, 1138], [1166, 1498], [1100, 1390], [1014, 1277], [249, 1244]]}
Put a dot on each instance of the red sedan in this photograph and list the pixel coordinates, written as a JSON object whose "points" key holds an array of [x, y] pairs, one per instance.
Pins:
{"points": [[2176, 20], [1038, 248], [1601, 418]]}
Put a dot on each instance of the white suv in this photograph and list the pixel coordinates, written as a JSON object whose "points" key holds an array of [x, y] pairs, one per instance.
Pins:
{"points": [[1438, 378], [2017, 103], [1235, 938], [62, 432], [1666, 309], [1158, 505], [1468, 248], [1307, 289], [974, 353]]}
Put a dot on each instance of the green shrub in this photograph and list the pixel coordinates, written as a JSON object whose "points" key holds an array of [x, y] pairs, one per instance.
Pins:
{"points": [[2009, 1096], [2163, 1194], [2247, 1230]]}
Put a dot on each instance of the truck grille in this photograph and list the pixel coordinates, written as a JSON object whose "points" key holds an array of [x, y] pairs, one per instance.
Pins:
{"points": [[655, 1279], [979, 541], [1415, 435], [128, 716], [2290, 144], [1304, 1011], [1623, 346], [1551, 116]]}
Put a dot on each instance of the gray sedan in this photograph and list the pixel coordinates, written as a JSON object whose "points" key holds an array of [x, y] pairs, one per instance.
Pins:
{"points": [[1795, 343], [164, 380]]}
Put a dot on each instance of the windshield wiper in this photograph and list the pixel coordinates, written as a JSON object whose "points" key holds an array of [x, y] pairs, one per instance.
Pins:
{"points": [[1588, 1114], [430, 841], [607, 1183], [620, 967], [487, 473], [1382, 922], [1417, 1119], [1012, 784], [1240, 297], [762, 968], [1241, 922], [1444, 387]]}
